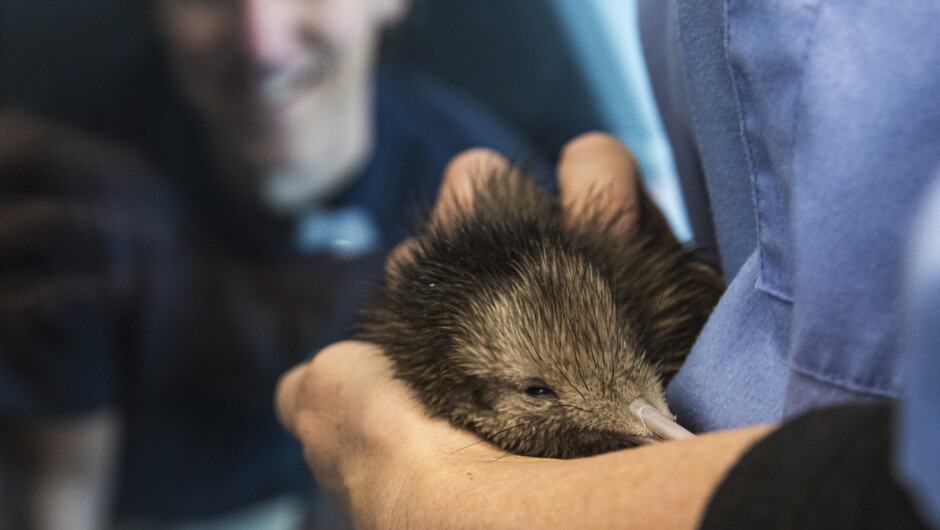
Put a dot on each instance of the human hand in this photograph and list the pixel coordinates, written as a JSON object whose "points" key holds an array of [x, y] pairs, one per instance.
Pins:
{"points": [[596, 161], [77, 215], [364, 435], [73, 210], [361, 428]]}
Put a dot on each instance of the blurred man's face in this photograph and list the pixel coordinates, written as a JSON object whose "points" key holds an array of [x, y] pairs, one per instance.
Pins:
{"points": [[272, 78]]}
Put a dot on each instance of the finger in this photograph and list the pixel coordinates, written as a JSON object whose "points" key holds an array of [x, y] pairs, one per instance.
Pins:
{"points": [[45, 236], [398, 257], [29, 221], [599, 176], [341, 372], [38, 156], [62, 221], [288, 396], [652, 218], [19, 133], [460, 178]]}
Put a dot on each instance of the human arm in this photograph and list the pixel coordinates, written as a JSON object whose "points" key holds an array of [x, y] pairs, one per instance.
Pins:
{"points": [[388, 465]]}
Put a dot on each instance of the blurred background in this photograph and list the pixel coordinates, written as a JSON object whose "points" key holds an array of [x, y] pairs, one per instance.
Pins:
{"points": [[554, 68]]}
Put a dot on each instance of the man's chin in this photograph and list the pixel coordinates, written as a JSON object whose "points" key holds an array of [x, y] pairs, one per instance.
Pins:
{"points": [[264, 155]]}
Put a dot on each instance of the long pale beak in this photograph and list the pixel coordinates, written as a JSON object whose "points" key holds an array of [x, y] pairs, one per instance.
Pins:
{"points": [[662, 426]]}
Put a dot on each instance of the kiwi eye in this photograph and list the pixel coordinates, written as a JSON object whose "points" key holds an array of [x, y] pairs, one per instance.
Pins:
{"points": [[539, 391]]}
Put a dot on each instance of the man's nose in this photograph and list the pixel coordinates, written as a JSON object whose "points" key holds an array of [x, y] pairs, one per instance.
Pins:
{"points": [[268, 31]]}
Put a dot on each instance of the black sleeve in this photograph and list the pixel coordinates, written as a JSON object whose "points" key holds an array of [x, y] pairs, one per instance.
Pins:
{"points": [[830, 468]]}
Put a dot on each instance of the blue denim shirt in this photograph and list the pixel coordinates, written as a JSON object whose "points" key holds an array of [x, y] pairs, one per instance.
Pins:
{"points": [[818, 124], [918, 421]]}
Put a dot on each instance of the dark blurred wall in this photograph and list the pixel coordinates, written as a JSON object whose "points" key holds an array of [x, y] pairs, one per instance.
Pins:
{"points": [[513, 54], [53, 53]]}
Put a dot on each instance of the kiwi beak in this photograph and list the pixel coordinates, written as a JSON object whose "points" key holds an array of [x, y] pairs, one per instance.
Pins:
{"points": [[660, 425]]}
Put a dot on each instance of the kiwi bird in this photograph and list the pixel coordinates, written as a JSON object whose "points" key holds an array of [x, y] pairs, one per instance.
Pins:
{"points": [[545, 336]]}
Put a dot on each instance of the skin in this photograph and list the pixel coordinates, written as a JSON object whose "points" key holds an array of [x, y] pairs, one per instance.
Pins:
{"points": [[282, 87], [387, 465]]}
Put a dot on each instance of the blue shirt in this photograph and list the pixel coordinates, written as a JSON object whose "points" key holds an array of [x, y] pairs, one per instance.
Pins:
{"points": [[818, 125]]}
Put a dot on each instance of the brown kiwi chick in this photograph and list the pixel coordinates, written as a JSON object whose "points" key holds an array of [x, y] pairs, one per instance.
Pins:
{"points": [[545, 337]]}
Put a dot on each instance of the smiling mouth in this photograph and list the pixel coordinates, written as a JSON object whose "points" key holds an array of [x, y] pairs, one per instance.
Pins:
{"points": [[269, 102], [265, 99], [281, 88]]}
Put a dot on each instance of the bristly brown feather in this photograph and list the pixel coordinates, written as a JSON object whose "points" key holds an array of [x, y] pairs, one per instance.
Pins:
{"points": [[508, 296]]}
